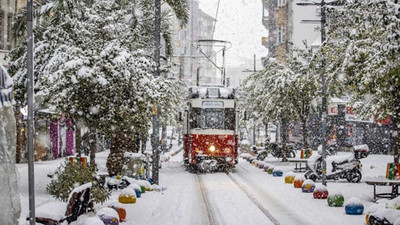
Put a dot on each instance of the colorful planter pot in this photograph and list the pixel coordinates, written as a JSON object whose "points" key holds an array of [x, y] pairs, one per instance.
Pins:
{"points": [[127, 196], [320, 192], [298, 181], [261, 165], [289, 178], [308, 186], [270, 169], [277, 172], [354, 207], [121, 213], [108, 216], [266, 166], [335, 200]]}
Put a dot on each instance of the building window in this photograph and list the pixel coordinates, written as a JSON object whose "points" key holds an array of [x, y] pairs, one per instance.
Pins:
{"points": [[281, 34]]}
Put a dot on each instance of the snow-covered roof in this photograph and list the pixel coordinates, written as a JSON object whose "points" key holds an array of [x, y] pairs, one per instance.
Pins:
{"points": [[209, 91]]}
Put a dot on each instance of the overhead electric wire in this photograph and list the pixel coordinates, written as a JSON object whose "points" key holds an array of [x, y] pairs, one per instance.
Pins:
{"points": [[215, 21]]}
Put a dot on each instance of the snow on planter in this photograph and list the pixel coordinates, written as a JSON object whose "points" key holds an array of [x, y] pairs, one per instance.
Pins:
{"points": [[335, 199], [277, 172], [354, 206], [271, 169], [308, 186], [320, 192], [384, 213], [127, 196], [108, 216], [261, 165], [137, 189], [141, 184], [93, 221], [289, 177], [298, 181], [147, 184]]}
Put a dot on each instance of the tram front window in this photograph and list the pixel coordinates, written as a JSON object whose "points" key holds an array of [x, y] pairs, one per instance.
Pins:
{"points": [[213, 118]]}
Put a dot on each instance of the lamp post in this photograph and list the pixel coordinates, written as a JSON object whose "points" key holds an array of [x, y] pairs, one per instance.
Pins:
{"points": [[155, 136], [324, 93], [30, 94]]}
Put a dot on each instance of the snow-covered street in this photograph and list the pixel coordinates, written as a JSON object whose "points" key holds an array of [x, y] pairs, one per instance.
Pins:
{"points": [[247, 195]]}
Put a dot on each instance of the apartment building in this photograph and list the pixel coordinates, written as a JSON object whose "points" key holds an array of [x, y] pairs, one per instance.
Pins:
{"points": [[8, 9]]}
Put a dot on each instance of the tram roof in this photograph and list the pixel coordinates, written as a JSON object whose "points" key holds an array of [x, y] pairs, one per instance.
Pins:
{"points": [[212, 91]]}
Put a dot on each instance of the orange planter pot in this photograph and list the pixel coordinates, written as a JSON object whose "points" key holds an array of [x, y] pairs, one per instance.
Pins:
{"points": [[298, 183]]}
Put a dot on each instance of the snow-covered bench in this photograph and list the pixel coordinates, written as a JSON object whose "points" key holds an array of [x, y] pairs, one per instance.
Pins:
{"points": [[382, 181], [58, 212]]}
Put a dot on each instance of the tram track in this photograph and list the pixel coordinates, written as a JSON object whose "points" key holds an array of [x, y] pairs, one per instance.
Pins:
{"points": [[254, 200], [206, 201], [214, 218]]}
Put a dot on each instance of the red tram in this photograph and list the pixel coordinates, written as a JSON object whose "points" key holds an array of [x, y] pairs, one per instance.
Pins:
{"points": [[210, 129]]}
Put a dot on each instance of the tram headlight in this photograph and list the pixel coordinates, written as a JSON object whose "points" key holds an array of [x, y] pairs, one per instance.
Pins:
{"points": [[212, 148]]}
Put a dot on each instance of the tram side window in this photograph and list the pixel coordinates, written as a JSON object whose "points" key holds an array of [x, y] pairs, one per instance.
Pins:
{"points": [[213, 118], [230, 119], [195, 118]]}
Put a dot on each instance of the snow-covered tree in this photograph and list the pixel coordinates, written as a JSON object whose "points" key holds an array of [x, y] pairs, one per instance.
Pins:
{"points": [[96, 65], [269, 94], [364, 46]]}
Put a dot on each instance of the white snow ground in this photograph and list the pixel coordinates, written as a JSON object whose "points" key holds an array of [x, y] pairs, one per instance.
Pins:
{"points": [[183, 201]]}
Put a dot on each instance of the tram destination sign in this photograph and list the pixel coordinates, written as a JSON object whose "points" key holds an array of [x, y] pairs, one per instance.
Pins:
{"points": [[209, 104]]}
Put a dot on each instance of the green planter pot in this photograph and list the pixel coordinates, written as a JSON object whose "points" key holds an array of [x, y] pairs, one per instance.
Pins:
{"points": [[335, 200]]}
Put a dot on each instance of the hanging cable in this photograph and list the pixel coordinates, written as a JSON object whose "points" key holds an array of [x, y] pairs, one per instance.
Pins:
{"points": [[216, 16]]}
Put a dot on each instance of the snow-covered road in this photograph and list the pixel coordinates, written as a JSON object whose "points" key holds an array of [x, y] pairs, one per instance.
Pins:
{"points": [[246, 195]]}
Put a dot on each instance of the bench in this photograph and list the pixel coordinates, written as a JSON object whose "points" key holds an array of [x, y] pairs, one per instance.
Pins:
{"points": [[52, 213], [300, 165], [382, 181]]}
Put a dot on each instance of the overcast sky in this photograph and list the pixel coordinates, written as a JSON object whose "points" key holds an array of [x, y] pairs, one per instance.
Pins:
{"points": [[240, 22]]}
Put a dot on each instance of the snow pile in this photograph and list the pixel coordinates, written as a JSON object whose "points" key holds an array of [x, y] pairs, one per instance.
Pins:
{"points": [[337, 159], [93, 221], [79, 189], [290, 174], [52, 210], [361, 147], [134, 186], [300, 177], [320, 187], [335, 193], [353, 201], [128, 192]]}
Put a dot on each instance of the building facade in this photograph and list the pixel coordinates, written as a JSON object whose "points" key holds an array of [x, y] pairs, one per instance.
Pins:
{"points": [[290, 23], [8, 9], [190, 64]]}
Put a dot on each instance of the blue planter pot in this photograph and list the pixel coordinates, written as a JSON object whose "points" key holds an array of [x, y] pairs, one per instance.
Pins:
{"points": [[138, 193], [277, 173], [357, 209]]}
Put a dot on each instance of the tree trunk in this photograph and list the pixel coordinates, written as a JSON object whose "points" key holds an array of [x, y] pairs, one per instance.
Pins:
{"points": [[284, 139], [304, 129], [164, 138], [93, 146], [115, 159], [78, 139]]}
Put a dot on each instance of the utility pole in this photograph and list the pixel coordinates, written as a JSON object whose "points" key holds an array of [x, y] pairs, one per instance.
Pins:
{"points": [[30, 93], [324, 93], [155, 136]]}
